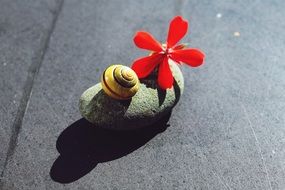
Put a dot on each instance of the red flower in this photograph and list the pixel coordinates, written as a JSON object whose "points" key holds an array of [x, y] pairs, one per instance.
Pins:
{"points": [[163, 52]]}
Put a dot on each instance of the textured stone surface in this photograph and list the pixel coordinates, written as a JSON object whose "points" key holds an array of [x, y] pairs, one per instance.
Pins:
{"points": [[148, 105], [24, 29], [226, 132]]}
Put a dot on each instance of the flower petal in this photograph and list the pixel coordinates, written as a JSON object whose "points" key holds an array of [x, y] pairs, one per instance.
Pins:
{"points": [[145, 40], [177, 29], [180, 46], [165, 77], [192, 57], [145, 65]]}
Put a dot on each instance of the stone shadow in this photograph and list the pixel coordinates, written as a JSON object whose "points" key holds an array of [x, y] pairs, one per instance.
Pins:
{"points": [[82, 146]]}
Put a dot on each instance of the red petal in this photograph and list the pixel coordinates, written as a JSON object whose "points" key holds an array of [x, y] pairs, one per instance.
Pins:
{"points": [[145, 40], [165, 78], [177, 29], [180, 46], [192, 57], [145, 65]]}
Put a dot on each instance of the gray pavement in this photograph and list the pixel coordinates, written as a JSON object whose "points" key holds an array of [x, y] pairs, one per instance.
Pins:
{"points": [[24, 30], [227, 131]]}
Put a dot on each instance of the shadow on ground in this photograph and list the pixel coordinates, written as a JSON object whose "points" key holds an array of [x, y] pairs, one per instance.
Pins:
{"points": [[82, 146]]}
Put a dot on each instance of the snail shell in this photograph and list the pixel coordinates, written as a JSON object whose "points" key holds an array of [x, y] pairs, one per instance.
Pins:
{"points": [[120, 82]]}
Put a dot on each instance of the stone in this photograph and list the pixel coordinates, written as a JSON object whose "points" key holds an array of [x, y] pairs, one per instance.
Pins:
{"points": [[148, 105]]}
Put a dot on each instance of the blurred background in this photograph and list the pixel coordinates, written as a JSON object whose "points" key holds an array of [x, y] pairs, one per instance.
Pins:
{"points": [[227, 131]]}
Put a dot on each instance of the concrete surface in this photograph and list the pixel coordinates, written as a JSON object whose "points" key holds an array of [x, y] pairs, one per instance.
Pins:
{"points": [[25, 27], [227, 132]]}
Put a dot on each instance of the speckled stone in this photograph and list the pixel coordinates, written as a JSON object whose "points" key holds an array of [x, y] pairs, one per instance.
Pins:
{"points": [[146, 107]]}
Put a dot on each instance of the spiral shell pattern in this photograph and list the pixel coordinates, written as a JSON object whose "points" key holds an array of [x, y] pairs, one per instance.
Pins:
{"points": [[120, 82]]}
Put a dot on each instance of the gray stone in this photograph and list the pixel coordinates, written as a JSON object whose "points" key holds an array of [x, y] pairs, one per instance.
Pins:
{"points": [[148, 105]]}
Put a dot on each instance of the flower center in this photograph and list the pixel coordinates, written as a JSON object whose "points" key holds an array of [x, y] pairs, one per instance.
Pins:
{"points": [[166, 50]]}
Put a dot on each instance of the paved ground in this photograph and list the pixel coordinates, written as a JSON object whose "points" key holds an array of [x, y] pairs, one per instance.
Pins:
{"points": [[227, 132]]}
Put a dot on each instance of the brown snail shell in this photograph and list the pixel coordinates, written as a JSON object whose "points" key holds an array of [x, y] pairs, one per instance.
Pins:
{"points": [[120, 82]]}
